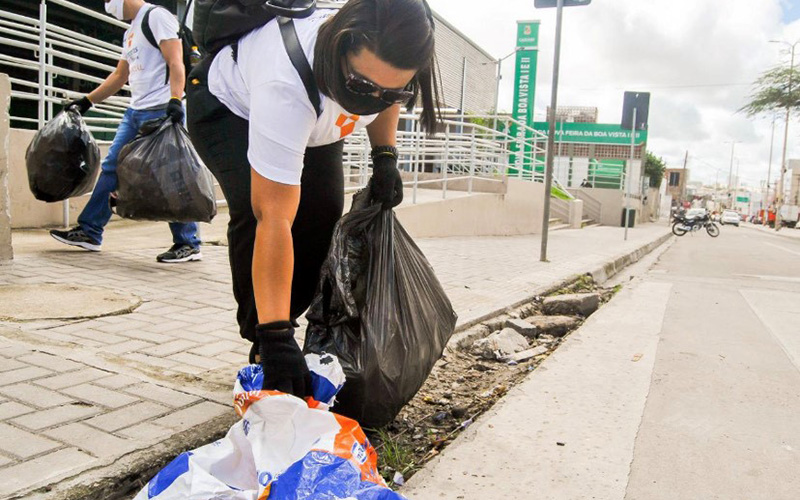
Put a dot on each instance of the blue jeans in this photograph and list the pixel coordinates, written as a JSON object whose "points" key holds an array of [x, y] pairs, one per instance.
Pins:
{"points": [[97, 212]]}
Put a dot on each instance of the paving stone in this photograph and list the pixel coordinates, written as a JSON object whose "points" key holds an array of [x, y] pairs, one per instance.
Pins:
{"points": [[41, 469], [127, 416], [73, 378], [27, 373], [11, 364], [215, 348], [50, 362], [187, 418], [98, 443], [117, 381], [42, 419], [139, 357], [169, 348], [162, 395], [5, 461], [23, 443], [522, 327], [100, 395], [13, 351], [167, 327], [197, 361], [127, 346], [35, 395], [557, 326], [583, 304], [146, 432], [526, 354], [11, 409]]}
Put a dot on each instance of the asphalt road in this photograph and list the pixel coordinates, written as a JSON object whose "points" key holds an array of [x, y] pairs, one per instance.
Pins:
{"points": [[722, 418], [685, 386]]}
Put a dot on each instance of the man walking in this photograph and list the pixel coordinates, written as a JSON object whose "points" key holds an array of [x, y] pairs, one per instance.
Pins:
{"points": [[152, 63]]}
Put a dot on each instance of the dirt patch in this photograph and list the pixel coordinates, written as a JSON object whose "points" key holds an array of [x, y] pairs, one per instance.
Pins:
{"points": [[461, 387]]}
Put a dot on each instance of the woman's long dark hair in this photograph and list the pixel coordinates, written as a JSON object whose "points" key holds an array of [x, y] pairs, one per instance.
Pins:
{"points": [[399, 32]]}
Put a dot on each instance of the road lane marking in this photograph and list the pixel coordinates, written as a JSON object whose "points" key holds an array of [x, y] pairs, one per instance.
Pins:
{"points": [[782, 248], [789, 279]]}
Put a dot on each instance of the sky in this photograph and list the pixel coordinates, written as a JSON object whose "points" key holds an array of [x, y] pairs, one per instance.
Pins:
{"points": [[697, 58]]}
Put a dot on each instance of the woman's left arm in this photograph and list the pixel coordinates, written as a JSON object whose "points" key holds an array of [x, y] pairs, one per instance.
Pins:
{"points": [[383, 130]]}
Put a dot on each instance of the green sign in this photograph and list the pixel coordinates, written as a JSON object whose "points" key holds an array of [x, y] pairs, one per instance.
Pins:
{"points": [[525, 85], [743, 199], [592, 133]]}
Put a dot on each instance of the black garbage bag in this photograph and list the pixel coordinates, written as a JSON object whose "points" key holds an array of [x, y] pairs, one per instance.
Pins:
{"points": [[162, 178], [62, 159], [381, 310]]}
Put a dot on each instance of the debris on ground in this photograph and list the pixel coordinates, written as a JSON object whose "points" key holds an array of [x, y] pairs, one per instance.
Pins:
{"points": [[471, 377], [582, 304]]}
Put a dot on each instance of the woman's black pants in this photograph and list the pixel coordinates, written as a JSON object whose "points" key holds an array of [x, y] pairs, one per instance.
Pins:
{"points": [[221, 139]]}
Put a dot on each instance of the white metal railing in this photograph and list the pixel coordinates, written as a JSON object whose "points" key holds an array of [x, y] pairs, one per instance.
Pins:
{"points": [[56, 59]]}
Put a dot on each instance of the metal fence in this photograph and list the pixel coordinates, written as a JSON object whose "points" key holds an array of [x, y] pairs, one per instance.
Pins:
{"points": [[52, 60]]}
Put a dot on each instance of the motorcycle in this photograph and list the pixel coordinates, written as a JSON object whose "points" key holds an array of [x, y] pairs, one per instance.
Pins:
{"points": [[685, 225]]}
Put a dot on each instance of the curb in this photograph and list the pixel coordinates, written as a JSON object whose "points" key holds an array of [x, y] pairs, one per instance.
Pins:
{"points": [[465, 333], [610, 269], [772, 232]]}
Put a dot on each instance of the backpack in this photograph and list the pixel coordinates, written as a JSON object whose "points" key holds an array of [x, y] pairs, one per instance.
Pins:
{"points": [[184, 34], [219, 23]]}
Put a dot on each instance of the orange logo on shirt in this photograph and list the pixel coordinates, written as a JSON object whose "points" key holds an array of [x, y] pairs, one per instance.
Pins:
{"points": [[346, 124], [130, 38]]}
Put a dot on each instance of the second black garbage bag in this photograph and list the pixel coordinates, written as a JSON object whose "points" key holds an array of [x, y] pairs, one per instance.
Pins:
{"points": [[161, 177], [62, 159], [381, 310]]}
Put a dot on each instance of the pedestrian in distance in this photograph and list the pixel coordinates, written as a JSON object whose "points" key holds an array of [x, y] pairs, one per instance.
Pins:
{"points": [[152, 63], [274, 141]]}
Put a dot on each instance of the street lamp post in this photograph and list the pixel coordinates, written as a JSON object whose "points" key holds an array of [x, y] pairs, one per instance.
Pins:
{"points": [[779, 186], [730, 174], [499, 78], [765, 204]]}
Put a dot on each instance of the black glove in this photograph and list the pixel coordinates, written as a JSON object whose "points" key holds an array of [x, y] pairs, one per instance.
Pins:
{"points": [[81, 105], [386, 183], [175, 110], [284, 366]]}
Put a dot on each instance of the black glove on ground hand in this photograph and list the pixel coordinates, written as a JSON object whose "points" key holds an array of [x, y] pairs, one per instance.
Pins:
{"points": [[284, 366], [81, 105], [387, 185], [175, 110]]}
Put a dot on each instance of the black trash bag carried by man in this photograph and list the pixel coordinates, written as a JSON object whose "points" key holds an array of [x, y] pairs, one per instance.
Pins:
{"points": [[381, 310], [63, 158], [162, 178]]}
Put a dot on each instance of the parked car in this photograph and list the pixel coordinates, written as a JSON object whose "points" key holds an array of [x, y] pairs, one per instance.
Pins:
{"points": [[730, 217]]}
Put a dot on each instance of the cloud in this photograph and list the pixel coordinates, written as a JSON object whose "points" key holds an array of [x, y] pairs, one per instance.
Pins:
{"points": [[698, 59]]}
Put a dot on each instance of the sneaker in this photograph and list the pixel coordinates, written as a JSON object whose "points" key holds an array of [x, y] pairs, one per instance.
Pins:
{"points": [[76, 237], [180, 253]]}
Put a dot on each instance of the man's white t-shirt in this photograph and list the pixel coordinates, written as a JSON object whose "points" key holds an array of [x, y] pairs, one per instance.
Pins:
{"points": [[264, 88], [148, 69]]}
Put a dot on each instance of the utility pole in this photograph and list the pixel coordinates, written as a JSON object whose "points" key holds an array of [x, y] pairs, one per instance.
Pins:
{"points": [[765, 205], [683, 177]]}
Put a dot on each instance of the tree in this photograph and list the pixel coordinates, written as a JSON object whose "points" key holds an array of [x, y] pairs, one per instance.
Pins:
{"points": [[654, 167], [771, 92]]}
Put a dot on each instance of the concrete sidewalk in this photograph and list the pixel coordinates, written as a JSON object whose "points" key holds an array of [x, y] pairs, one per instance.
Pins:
{"points": [[106, 399]]}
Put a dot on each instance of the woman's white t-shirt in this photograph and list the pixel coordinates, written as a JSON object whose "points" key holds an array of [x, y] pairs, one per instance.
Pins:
{"points": [[146, 64], [264, 88]]}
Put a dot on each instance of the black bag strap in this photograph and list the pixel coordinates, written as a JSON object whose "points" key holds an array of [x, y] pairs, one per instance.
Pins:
{"points": [[299, 61], [151, 38]]}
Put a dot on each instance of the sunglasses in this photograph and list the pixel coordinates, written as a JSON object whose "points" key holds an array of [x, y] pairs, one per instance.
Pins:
{"points": [[361, 86]]}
